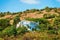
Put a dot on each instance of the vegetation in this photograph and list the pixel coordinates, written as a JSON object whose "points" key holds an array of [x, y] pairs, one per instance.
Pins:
{"points": [[48, 28], [48, 16], [47, 9]]}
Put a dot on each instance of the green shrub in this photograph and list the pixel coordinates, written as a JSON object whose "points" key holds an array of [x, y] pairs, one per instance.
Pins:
{"points": [[1, 28], [52, 32], [11, 30], [4, 23], [2, 14], [57, 21], [21, 30], [16, 20], [40, 20], [47, 9], [48, 16]]}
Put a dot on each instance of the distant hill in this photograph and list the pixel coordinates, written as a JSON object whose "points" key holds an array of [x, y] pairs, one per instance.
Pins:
{"points": [[33, 13]]}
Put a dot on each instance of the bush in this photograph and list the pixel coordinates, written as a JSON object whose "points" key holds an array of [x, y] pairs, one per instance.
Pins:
{"points": [[4, 23], [1, 28], [11, 30], [52, 32], [2, 14], [48, 16], [16, 19], [40, 20], [21, 30], [47, 9], [57, 21]]}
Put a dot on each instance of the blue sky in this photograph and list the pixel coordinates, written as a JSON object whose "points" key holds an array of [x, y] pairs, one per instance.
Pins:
{"points": [[21, 5]]}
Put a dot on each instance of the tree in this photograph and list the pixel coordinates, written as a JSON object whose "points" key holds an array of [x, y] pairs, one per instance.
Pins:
{"points": [[22, 30], [7, 13], [47, 9], [4, 23], [55, 9], [33, 10], [16, 20], [2, 14], [9, 31]]}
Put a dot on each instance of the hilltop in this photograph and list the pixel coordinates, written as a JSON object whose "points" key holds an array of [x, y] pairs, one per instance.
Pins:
{"points": [[33, 13]]}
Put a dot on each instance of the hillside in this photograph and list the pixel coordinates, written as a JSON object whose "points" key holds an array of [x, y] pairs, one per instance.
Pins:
{"points": [[48, 26], [33, 13]]}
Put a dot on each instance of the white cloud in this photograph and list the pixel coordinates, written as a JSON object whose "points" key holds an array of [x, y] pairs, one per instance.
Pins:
{"points": [[30, 1], [58, 0]]}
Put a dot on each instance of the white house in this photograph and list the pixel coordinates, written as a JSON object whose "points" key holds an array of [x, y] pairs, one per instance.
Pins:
{"points": [[26, 23]]}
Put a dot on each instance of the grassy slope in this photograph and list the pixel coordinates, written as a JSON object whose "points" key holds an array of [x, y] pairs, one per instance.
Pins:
{"points": [[35, 14]]}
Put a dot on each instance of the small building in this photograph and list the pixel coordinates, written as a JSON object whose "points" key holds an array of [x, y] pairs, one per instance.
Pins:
{"points": [[28, 24]]}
